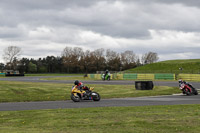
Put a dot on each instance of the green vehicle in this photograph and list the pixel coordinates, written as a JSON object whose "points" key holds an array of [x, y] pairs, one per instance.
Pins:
{"points": [[106, 77]]}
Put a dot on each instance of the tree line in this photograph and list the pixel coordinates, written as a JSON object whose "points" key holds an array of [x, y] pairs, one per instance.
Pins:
{"points": [[76, 60]]}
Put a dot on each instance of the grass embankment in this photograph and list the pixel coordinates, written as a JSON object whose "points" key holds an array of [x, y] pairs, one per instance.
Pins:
{"points": [[170, 66], [53, 74], [147, 119], [27, 91]]}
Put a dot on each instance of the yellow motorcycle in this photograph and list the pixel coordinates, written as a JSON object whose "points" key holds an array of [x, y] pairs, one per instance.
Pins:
{"points": [[84, 94]]}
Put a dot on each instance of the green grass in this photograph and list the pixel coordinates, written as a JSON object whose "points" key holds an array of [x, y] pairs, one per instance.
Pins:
{"points": [[52, 74], [27, 91], [170, 66], [22, 91], [67, 78], [49, 74], [146, 119], [2, 75]]}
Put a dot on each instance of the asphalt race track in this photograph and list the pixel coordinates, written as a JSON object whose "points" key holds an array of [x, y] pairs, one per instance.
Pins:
{"points": [[140, 101], [116, 82]]}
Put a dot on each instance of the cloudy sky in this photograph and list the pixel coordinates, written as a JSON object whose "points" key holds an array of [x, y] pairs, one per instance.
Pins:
{"points": [[170, 28]]}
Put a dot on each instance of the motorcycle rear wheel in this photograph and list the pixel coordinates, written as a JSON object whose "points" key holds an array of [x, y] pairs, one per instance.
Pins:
{"points": [[97, 97], [195, 92]]}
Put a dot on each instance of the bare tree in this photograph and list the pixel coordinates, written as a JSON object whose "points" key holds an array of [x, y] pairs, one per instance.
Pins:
{"points": [[85, 61], [149, 58], [10, 55], [128, 59], [111, 55], [113, 60], [99, 59], [75, 52], [67, 52], [11, 52], [71, 57]]}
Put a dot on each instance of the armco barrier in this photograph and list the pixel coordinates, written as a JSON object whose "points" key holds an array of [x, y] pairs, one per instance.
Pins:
{"points": [[119, 76], [164, 76], [91, 76], [97, 76], [191, 77], [145, 76], [14, 74], [129, 76]]}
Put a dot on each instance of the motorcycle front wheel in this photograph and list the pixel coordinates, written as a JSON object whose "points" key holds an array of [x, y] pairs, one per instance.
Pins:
{"points": [[75, 98]]}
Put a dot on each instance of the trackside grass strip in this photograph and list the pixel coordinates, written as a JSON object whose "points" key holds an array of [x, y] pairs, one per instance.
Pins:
{"points": [[67, 78], [146, 119], [54, 74], [28, 91]]}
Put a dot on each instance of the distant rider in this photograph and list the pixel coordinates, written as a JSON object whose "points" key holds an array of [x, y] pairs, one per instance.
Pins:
{"points": [[106, 73]]}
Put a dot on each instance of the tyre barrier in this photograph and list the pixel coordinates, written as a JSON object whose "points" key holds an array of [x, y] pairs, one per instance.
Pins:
{"points": [[144, 85], [14, 74]]}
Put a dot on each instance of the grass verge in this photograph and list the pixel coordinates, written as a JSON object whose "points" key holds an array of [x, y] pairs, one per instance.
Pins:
{"points": [[67, 78], [189, 66], [146, 119], [81, 76], [53, 74], [29, 91]]}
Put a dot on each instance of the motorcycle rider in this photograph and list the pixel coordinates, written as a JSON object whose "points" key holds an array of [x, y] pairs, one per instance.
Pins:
{"points": [[106, 73], [78, 84], [183, 84], [180, 81], [81, 86]]}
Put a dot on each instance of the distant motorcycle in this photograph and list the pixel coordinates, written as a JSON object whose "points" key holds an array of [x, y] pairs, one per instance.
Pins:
{"points": [[77, 95], [187, 88], [106, 77]]}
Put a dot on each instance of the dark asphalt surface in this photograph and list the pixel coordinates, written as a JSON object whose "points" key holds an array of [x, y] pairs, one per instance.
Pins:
{"points": [[141, 101], [117, 82]]}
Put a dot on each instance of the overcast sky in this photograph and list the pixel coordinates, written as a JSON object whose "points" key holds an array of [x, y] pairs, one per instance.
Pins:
{"points": [[170, 28]]}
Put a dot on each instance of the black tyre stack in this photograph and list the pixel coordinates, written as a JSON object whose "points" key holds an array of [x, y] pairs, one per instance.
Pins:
{"points": [[144, 85]]}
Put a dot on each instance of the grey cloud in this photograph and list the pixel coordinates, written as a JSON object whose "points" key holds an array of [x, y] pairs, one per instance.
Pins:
{"points": [[129, 19], [131, 22], [44, 4], [134, 22], [194, 3]]}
